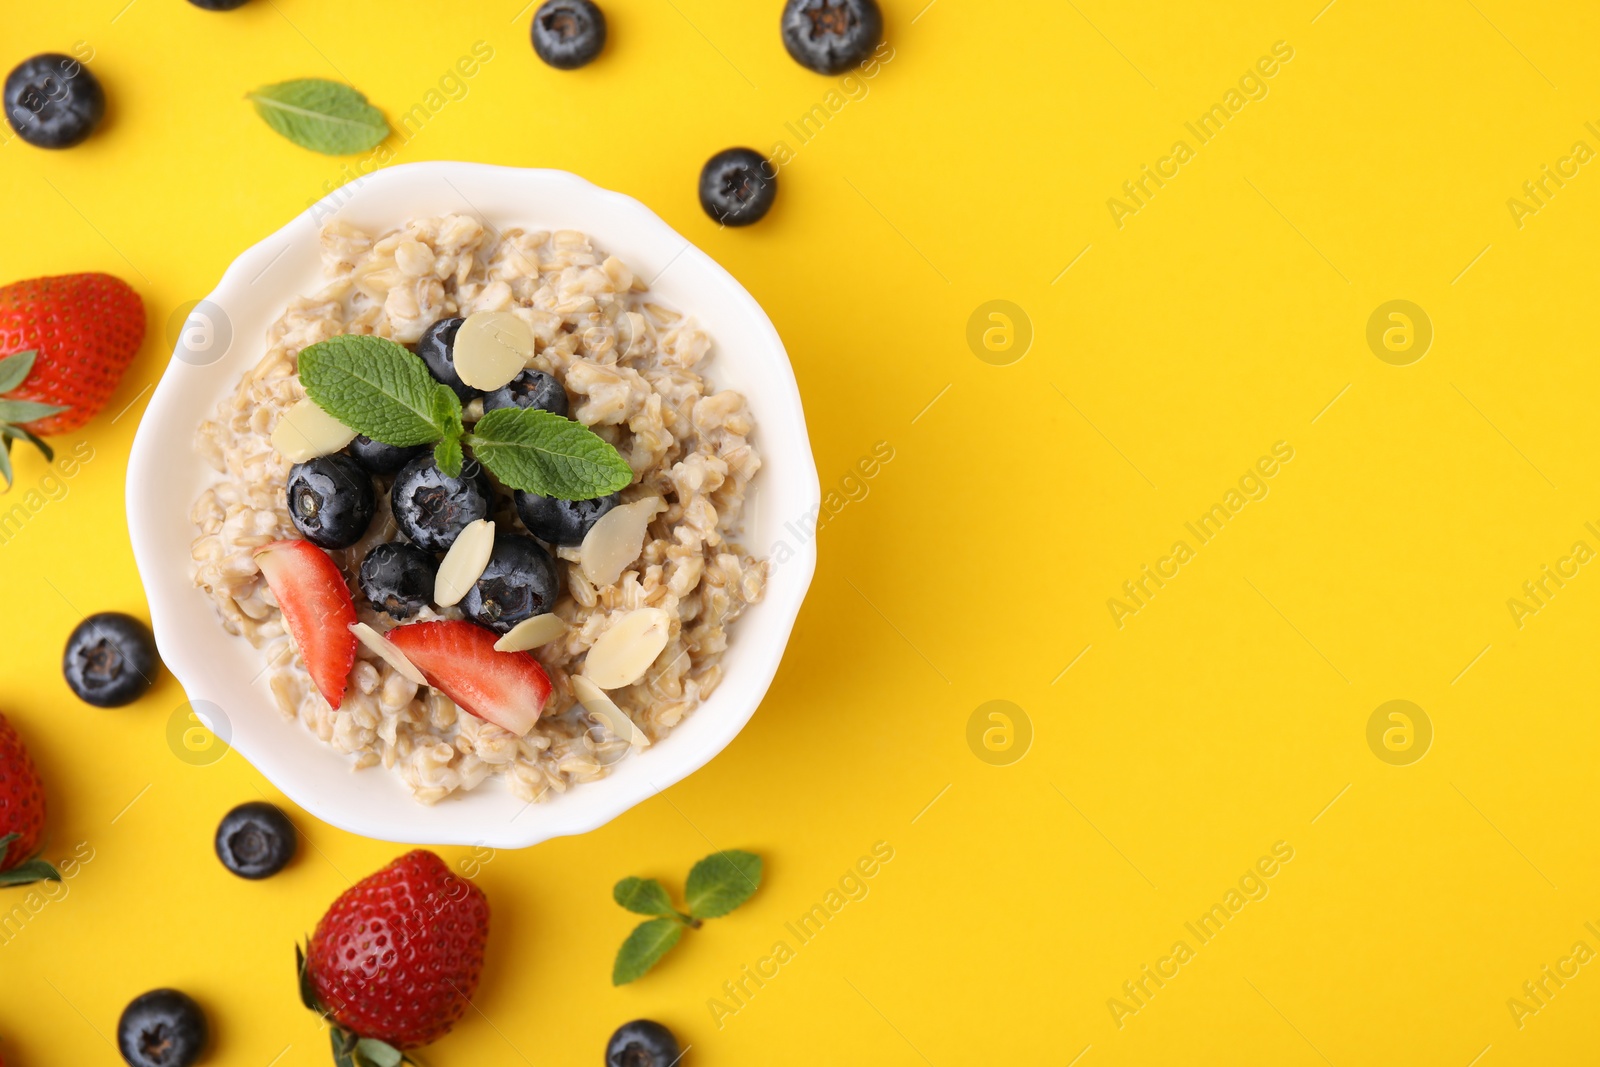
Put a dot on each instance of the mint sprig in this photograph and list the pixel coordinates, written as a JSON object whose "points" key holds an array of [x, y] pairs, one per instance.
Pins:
{"points": [[717, 885], [382, 390]]}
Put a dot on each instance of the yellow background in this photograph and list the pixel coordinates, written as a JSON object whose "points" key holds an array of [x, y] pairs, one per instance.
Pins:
{"points": [[1227, 715]]}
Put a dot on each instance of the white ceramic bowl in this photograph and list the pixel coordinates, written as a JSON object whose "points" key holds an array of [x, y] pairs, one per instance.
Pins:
{"points": [[222, 674]]}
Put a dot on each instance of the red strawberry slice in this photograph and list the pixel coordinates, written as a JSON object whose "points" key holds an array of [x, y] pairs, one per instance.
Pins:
{"points": [[459, 659], [317, 609]]}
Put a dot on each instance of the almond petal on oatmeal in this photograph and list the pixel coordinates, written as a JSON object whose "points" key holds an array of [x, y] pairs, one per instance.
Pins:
{"points": [[306, 431], [491, 348], [463, 565], [605, 711], [531, 633], [625, 651], [388, 652], [616, 540]]}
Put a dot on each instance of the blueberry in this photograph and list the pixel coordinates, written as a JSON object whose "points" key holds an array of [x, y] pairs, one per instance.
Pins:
{"points": [[379, 458], [831, 36], [110, 660], [519, 583], [218, 5], [530, 389], [52, 101], [331, 500], [738, 186], [568, 33], [437, 349], [561, 522], [431, 508], [398, 578], [255, 840], [162, 1028], [642, 1043]]}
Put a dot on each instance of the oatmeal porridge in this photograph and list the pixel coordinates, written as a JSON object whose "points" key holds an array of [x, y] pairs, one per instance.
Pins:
{"points": [[626, 367]]}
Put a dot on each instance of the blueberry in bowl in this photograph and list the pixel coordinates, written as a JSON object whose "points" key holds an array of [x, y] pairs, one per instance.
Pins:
{"points": [[379, 458], [397, 579], [530, 389], [331, 500], [831, 36], [162, 1028], [431, 508], [561, 522], [110, 660], [738, 186], [518, 583], [52, 101], [568, 34], [437, 349], [255, 840]]}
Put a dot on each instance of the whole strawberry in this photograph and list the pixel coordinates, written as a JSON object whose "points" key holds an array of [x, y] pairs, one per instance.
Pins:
{"points": [[21, 813], [83, 331], [396, 959]]}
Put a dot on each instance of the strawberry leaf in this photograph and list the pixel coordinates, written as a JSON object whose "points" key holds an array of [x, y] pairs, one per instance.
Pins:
{"points": [[14, 411], [20, 433], [32, 871], [378, 1053], [14, 369], [344, 1047], [308, 993], [35, 870]]}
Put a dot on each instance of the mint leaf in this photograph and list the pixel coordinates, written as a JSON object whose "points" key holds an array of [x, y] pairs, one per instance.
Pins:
{"points": [[324, 116], [14, 369], [644, 948], [378, 388], [447, 455], [645, 896], [721, 882], [546, 454]]}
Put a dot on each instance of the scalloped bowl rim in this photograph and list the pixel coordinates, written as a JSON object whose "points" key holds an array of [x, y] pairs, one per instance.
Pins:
{"points": [[784, 504]]}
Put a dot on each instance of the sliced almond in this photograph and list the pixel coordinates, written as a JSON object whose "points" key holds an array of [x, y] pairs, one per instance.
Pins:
{"points": [[605, 711], [306, 432], [491, 348], [531, 633], [616, 540], [463, 565], [625, 651], [388, 652]]}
